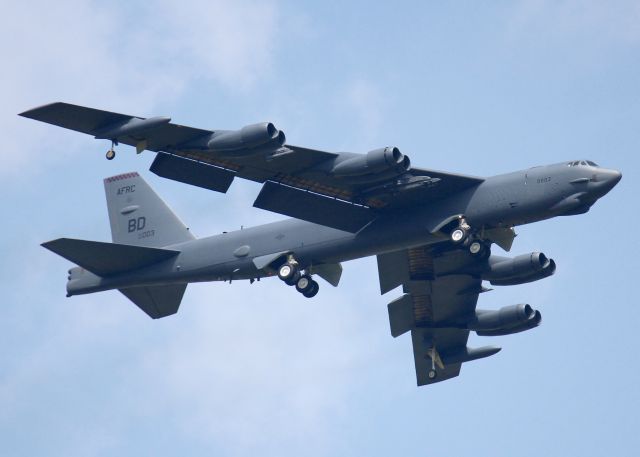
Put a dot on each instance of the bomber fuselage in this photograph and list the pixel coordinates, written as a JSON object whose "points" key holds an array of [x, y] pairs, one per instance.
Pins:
{"points": [[500, 201]]}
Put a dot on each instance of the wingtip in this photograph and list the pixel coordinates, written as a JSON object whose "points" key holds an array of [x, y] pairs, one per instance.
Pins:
{"points": [[51, 243], [48, 245], [30, 112]]}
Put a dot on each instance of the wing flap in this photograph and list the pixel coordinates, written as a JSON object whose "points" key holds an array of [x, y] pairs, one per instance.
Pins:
{"points": [[393, 270], [192, 172], [401, 316], [312, 207]]}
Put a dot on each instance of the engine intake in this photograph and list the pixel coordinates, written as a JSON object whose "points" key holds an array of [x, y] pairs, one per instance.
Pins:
{"points": [[503, 271], [384, 161], [247, 140], [505, 321]]}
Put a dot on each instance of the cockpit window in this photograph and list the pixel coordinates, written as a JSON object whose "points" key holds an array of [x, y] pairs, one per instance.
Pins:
{"points": [[575, 163]]}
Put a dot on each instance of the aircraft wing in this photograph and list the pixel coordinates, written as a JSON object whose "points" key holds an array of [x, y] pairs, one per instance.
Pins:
{"points": [[437, 300], [158, 133], [341, 190]]}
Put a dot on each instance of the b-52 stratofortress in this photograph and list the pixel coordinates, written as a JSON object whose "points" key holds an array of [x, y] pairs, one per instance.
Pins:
{"points": [[432, 231]]}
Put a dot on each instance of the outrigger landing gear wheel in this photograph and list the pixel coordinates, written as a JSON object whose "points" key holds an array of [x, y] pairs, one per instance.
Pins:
{"points": [[432, 353], [111, 153]]}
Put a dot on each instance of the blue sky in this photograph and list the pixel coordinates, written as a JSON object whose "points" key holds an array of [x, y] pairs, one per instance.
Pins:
{"points": [[474, 87]]}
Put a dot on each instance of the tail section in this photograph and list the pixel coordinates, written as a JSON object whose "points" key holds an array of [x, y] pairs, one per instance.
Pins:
{"points": [[138, 216], [141, 225], [101, 260]]}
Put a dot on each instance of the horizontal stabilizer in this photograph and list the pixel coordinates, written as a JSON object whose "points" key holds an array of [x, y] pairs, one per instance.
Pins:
{"points": [[105, 259], [156, 301], [313, 207]]}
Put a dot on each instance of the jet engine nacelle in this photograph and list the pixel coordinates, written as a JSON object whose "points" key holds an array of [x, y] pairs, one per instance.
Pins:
{"points": [[383, 161], [501, 319], [503, 271], [248, 140], [505, 321]]}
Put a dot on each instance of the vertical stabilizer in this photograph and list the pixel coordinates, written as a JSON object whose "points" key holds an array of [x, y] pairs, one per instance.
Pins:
{"points": [[138, 216]]}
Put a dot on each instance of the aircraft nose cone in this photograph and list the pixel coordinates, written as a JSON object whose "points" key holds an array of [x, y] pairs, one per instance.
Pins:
{"points": [[608, 180], [615, 177], [611, 178]]}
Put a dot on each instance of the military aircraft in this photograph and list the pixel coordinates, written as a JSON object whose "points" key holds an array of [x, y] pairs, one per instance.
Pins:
{"points": [[432, 231]]}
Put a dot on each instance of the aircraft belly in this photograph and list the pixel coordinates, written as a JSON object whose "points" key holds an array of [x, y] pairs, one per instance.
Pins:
{"points": [[230, 255]]}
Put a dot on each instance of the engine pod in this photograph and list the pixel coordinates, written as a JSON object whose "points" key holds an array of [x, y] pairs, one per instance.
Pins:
{"points": [[387, 160]]}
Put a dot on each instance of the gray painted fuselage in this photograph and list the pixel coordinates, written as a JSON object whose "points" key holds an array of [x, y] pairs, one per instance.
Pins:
{"points": [[501, 201]]}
